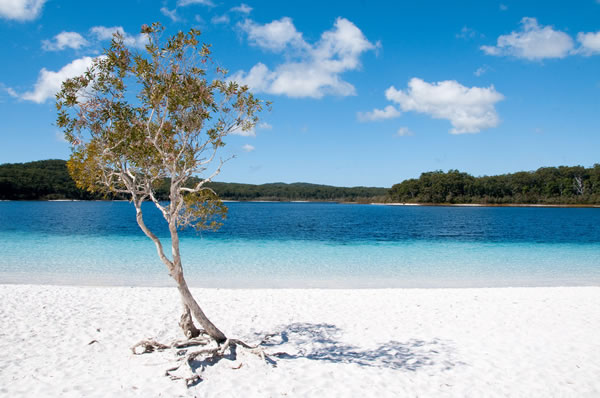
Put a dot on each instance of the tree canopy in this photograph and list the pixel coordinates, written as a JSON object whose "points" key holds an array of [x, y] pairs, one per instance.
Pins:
{"points": [[136, 120], [546, 185]]}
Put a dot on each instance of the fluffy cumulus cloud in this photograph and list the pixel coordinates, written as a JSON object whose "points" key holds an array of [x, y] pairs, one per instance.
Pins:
{"points": [[248, 148], [106, 33], [589, 43], [21, 10], [49, 82], [533, 42], [65, 40], [389, 112], [274, 36], [313, 69], [469, 109]]}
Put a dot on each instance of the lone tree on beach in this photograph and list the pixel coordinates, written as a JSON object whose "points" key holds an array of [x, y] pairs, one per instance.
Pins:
{"points": [[136, 120]]}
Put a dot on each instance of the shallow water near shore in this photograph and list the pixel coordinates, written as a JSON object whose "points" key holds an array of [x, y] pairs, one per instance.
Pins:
{"points": [[305, 245]]}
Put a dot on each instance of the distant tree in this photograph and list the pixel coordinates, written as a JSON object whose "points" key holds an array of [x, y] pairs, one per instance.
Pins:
{"points": [[140, 122]]}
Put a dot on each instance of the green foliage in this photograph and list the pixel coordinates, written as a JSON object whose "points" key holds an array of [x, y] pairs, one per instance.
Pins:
{"points": [[547, 185], [50, 179], [46, 179], [138, 120], [202, 210], [298, 191]]}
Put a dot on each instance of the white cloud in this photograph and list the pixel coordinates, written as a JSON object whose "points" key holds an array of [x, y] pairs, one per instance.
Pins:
{"points": [[389, 112], [533, 42], [106, 33], [274, 36], [590, 42], [480, 71], [244, 133], [220, 19], [172, 14], [252, 131], [317, 72], [8, 90], [49, 82], [63, 40], [242, 8], [469, 110], [183, 3], [248, 148], [21, 10], [404, 132]]}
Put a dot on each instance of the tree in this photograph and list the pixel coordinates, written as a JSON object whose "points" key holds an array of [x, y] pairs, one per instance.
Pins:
{"points": [[136, 120]]}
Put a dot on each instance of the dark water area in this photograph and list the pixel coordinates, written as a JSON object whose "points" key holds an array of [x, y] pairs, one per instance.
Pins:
{"points": [[340, 223]]}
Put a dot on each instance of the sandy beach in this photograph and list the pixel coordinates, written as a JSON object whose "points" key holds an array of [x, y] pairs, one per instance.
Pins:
{"points": [[520, 342]]}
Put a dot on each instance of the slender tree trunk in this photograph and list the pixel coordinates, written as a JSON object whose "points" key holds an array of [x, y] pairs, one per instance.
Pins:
{"points": [[193, 306], [186, 295], [176, 272]]}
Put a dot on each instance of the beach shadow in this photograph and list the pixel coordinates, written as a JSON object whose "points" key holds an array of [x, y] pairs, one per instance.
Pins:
{"points": [[321, 342]]}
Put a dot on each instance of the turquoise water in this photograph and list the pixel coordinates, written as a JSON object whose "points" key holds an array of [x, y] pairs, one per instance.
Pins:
{"points": [[306, 245]]}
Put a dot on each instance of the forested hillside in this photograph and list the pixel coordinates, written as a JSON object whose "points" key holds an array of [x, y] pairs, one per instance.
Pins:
{"points": [[44, 179], [49, 179], [547, 185]]}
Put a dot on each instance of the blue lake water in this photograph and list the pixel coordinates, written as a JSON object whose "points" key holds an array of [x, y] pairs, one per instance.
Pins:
{"points": [[305, 245]]}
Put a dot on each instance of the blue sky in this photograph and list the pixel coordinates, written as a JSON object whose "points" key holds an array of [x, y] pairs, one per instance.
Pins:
{"points": [[364, 93]]}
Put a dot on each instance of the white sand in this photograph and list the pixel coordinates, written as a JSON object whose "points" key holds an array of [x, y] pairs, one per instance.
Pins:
{"points": [[522, 342]]}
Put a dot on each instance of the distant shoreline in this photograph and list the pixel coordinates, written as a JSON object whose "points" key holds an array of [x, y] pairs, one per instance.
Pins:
{"points": [[486, 205], [344, 202]]}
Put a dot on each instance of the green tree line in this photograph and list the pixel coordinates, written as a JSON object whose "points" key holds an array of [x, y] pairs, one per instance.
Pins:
{"points": [[50, 179], [546, 185]]}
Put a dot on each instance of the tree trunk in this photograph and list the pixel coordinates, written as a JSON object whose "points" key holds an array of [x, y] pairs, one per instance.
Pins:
{"points": [[187, 323], [195, 309], [176, 271]]}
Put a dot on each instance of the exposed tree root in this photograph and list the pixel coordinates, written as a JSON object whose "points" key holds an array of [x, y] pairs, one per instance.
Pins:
{"points": [[190, 365], [147, 346]]}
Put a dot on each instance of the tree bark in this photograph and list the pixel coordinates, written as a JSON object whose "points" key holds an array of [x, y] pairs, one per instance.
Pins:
{"points": [[195, 309], [186, 323], [176, 272]]}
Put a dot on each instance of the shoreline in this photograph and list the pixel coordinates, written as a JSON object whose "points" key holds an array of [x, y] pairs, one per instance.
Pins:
{"points": [[533, 205], [163, 281], [404, 342], [542, 205]]}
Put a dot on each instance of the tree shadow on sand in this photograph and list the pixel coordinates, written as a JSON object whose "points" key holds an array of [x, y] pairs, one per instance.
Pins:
{"points": [[321, 342]]}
